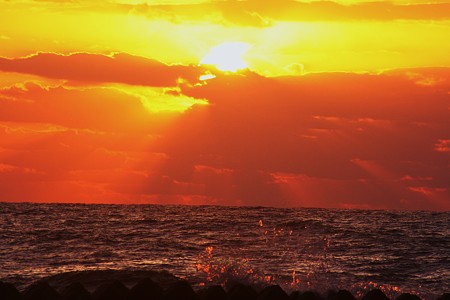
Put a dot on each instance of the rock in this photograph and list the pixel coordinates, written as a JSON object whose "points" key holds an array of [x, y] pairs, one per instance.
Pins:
{"points": [[9, 292], [182, 290], [75, 291], [215, 292], [375, 294], [242, 292], [41, 291], [344, 295], [310, 295], [112, 291], [294, 295], [408, 296], [445, 296], [274, 292], [92, 279], [146, 289]]}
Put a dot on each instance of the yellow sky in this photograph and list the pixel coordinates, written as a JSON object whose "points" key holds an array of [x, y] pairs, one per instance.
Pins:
{"points": [[279, 44]]}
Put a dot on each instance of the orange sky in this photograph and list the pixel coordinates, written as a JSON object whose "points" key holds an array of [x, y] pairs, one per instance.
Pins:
{"points": [[340, 104]]}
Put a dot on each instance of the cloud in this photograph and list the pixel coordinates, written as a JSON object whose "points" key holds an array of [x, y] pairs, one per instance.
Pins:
{"points": [[437, 77], [355, 133], [98, 109], [329, 139], [42, 162], [263, 13], [442, 146], [6, 168], [97, 69]]}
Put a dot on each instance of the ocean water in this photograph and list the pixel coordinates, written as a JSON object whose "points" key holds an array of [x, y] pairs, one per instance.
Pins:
{"points": [[299, 249]]}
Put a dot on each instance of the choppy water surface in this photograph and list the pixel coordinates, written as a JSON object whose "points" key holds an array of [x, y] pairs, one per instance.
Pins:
{"points": [[297, 248]]}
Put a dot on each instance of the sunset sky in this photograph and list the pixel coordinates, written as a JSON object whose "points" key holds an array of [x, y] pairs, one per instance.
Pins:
{"points": [[282, 103]]}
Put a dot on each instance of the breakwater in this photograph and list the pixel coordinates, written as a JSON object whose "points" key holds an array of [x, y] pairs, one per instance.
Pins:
{"points": [[147, 289]]}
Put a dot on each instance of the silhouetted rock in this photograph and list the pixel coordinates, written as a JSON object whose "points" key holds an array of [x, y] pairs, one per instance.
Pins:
{"points": [[343, 295], [41, 291], [75, 291], [112, 291], [9, 292], [181, 291], [215, 292], [241, 292], [331, 295], [273, 292], [310, 295], [146, 289], [445, 296], [294, 295], [408, 296], [375, 294], [92, 279]]}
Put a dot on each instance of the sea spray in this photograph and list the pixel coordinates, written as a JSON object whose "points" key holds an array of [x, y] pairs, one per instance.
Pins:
{"points": [[281, 243]]}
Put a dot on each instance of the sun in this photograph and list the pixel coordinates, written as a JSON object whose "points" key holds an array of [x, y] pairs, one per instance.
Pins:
{"points": [[227, 56]]}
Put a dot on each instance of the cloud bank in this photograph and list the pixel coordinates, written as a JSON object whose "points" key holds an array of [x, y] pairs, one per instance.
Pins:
{"points": [[325, 139]]}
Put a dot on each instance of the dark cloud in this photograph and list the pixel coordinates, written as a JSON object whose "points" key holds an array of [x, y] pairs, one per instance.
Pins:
{"points": [[96, 68]]}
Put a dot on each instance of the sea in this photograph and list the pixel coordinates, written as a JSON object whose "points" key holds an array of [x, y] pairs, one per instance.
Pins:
{"points": [[298, 248]]}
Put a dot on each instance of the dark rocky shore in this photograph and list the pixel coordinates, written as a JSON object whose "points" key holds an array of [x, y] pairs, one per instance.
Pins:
{"points": [[148, 285]]}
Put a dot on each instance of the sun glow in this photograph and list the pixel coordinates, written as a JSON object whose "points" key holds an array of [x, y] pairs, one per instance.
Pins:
{"points": [[227, 56]]}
